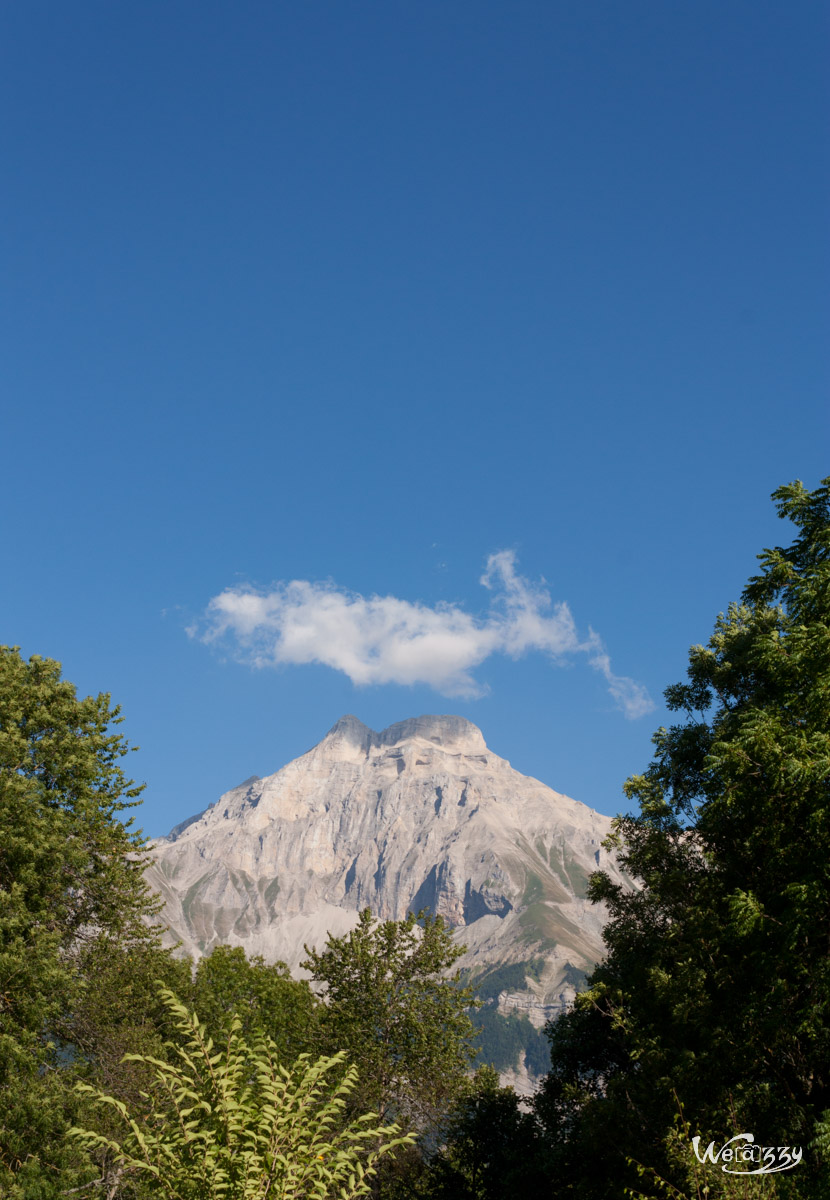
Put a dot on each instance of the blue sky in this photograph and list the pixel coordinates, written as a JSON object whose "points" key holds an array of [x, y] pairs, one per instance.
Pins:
{"points": [[312, 311]]}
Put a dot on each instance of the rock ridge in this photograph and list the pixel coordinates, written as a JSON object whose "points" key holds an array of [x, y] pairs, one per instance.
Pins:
{"points": [[444, 730]]}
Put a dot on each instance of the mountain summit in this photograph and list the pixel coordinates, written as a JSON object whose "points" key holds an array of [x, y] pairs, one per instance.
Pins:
{"points": [[419, 815], [442, 731]]}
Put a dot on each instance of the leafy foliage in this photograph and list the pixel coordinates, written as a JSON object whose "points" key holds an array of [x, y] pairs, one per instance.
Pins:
{"points": [[492, 1149], [232, 1122], [70, 875], [391, 1005], [716, 988], [262, 996]]}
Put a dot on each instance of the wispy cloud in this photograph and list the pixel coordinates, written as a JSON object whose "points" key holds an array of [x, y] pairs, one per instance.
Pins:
{"points": [[382, 639]]}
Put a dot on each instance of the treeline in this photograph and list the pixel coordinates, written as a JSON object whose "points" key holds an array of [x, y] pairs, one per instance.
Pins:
{"points": [[707, 1019]]}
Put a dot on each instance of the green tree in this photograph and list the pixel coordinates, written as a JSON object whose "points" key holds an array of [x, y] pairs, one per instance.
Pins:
{"points": [[390, 1003], [491, 1148], [262, 996], [118, 1013], [70, 873], [233, 1122], [715, 993]]}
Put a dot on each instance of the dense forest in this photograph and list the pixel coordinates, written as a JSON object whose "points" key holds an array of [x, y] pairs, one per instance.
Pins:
{"points": [[128, 1072]]}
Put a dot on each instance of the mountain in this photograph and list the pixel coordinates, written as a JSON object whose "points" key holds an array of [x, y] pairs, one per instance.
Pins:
{"points": [[420, 815]]}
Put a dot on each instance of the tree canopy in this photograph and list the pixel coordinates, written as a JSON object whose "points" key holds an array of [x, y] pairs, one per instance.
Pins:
{"points": [[390, 1003], [231, 1122], [713, 999], [228, 986], [70, 875], [491, 1149]]}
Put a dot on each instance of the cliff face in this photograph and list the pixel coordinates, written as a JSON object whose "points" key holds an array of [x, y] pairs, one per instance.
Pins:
{"points": [[420, 815]]}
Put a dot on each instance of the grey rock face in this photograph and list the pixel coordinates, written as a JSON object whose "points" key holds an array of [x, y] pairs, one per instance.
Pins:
{"points": [[420, 815]]}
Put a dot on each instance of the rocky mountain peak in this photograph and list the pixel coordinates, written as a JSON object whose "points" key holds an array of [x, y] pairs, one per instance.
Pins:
{"points": [[351, 731], [449, 732], [452, 733], [420, 815]]}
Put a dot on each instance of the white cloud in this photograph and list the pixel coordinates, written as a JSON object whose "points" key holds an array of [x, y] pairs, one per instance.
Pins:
{"points": [[630, 697], [381, 639]]}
